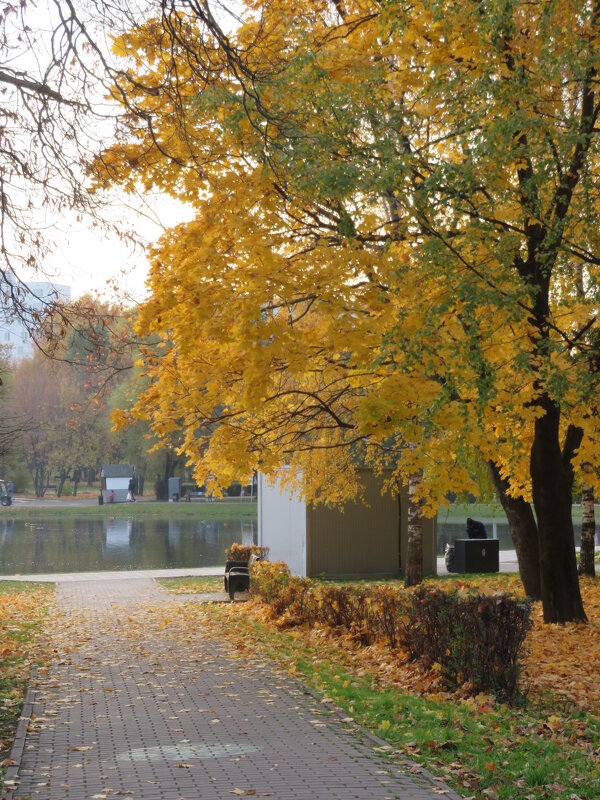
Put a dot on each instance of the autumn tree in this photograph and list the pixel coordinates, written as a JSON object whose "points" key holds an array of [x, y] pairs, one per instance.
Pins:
{"points": [[395, 242]]}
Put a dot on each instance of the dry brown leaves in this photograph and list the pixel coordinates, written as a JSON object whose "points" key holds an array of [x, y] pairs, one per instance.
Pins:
{"points": [[560, 661], [18, 612]]}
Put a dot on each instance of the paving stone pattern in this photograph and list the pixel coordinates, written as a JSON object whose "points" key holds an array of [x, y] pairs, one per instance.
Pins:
{"points": [[123, 715]]}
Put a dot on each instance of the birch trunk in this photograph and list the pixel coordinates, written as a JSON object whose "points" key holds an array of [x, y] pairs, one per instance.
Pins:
{"points": [[588, 530], [414, 551]]}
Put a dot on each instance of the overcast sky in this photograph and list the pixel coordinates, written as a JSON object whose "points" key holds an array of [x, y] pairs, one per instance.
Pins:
{"points": [[90, 259], [84, 258], [81, 256]]}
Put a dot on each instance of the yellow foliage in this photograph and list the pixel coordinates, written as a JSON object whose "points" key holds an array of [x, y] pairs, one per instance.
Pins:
{"points": [[310, 312]]}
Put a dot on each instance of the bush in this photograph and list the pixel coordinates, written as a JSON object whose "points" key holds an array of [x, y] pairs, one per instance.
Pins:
{"points": [[273, 583], [387, 603], [303, 602], [161, 489], [346, 607], [242, 552], [475, 638]]}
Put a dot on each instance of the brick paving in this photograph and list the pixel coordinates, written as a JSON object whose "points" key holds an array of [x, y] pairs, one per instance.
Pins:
{"points": [[135, 704]]}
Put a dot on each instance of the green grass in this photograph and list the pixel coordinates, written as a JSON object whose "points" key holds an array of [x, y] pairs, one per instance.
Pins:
{"points": [[486, 512], [193, 585], [483, 752], [28, 587], [145, 510], [20, 623]]}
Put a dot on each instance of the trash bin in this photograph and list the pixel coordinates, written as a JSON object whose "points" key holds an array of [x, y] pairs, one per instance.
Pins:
{"points": [[476, 555], [100, 499]]}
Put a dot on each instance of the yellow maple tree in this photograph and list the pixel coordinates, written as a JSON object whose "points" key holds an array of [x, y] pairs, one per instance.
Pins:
{"points": [[394, 243]]}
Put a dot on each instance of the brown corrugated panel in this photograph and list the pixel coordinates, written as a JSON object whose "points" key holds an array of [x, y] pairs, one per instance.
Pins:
{"points": [[363, 539], [360, 540]]}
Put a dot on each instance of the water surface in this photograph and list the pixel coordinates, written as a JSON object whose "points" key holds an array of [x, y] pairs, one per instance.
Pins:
{"points": [[82, 545]]}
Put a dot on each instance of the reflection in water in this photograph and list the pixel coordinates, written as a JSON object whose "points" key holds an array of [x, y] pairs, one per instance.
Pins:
{"points": [[82, 545], [247, 530], [118, 533], [6, 530]]}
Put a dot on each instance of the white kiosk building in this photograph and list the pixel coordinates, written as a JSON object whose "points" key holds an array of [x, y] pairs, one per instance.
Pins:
{"points": [[115, 478], [359, 540]]}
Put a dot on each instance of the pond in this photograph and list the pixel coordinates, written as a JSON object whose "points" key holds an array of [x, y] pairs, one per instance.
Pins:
{"points": [[38, 546], [449, 531]]}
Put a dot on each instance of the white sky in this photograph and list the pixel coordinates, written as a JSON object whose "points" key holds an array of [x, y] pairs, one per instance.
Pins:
{"points": [[85, 258], [92, 260]]}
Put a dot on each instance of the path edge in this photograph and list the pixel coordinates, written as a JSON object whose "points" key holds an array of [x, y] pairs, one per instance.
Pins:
{"points": [[18, 746], [380, 745]]}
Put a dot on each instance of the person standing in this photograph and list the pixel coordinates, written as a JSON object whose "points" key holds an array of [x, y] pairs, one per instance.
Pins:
{"points": [[130, 497]]}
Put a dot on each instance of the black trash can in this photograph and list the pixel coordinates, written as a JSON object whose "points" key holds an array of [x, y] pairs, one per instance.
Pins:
{"points": [[476, 555]]}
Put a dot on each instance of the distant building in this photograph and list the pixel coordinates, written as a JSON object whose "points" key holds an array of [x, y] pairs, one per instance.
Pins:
{"points": [[115, 478], [14, 334]]}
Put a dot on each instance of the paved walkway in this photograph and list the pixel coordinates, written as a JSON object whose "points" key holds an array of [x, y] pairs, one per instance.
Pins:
{"points": [[116, 575], [508, 563], [143, 700]]}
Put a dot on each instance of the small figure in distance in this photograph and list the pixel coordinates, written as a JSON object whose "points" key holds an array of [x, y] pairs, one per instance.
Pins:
{"points": [[130, 497], [476, 529], [10, 487], [111, 497]]}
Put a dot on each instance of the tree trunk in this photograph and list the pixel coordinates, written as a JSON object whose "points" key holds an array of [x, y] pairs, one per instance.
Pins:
{"points": [[552, 483], [37, 487], [524, 533], [414, 550], [588, 531], [76, 478], [170, 462], [61, 483], [39, 481]]}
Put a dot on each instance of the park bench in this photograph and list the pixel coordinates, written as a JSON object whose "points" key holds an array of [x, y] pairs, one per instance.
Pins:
{"points": [[237, 576]]}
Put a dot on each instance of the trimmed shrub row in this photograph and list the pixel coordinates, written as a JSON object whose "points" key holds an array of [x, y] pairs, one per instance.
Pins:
{"points": [[475, 639]]}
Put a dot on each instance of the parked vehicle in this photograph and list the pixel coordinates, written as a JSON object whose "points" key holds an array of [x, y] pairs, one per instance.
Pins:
{"points": [[5, 497]]}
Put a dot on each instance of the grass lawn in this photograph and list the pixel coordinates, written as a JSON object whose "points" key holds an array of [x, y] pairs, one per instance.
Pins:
{"points": [[23, 607], [140, 510], [193, 585], [458, 512], [549, 747]]}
